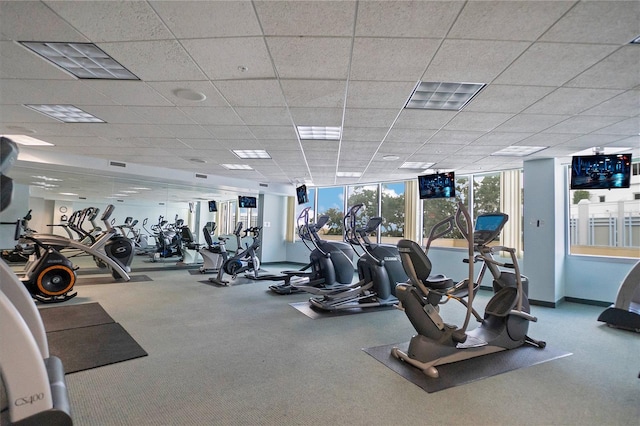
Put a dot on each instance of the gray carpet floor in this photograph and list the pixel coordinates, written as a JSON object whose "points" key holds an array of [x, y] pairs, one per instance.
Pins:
{"points": [[241, 355]]}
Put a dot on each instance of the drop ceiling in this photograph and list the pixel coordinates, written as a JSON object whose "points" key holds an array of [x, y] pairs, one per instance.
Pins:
{"points": [[559, 74]]}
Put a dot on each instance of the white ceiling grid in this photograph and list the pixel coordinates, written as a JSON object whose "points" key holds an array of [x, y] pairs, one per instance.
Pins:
{"points": [[559, 74]]}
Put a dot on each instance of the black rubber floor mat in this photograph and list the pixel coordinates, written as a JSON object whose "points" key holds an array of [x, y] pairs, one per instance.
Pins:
{"points": [[90, 347], [74, 316], [108, 279], [466, 371], [316, 313]]}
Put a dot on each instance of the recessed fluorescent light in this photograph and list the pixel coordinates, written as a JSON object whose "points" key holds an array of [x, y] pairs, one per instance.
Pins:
{"points": [[84, 60], [319, 133], [635, 40], [518, 151], [237, 166], [443, 96], [27, 140], [66, 113], [129, 192], [141, 188], [45, 185], [391, 157], [348, 174], [251, 153], [68, 193], [415, 165]]}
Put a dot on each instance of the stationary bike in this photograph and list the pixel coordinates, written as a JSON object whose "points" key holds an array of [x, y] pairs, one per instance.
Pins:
{"points": [[507, 315], [243, 260]]}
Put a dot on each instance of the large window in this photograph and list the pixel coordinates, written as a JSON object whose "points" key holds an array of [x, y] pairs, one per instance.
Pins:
{"points": [[368, 196], [330, 201], [605, 222], [393, 215], [437, 209]]}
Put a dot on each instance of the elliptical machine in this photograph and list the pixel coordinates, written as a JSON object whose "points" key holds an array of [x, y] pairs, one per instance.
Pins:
{"points": [[625, 312], [507, 315], [330, 262], [379, 270]]}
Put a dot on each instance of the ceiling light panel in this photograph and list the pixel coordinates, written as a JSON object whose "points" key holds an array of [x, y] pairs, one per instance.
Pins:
{"points": [[443, 96], [237, 166], [319, 133], [251, 153], [415, 165], [518, 151], [349, 174], [84, 60], [66, 113]]}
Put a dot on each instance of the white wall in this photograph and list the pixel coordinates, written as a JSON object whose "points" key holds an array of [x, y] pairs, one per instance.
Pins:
{"points": [[17, 209]]}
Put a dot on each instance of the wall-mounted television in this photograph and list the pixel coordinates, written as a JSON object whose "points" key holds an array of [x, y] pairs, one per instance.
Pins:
{"points": [[437, 185], [301, 194], [600, 171], [247, 202], [213, 207]]}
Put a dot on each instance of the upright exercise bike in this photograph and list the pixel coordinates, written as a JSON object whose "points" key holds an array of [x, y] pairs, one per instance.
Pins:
{"points": [[242, 260], [507, 315]]}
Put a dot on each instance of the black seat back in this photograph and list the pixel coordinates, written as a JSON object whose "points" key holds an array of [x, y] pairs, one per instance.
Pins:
{"points": [[207, 236], [415, 262]]}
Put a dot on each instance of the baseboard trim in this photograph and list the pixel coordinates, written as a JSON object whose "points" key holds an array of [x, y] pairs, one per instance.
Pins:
{"points": [[587, 301]]}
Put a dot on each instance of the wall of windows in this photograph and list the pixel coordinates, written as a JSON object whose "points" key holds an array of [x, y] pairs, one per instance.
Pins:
{"points": [[393, 212]]}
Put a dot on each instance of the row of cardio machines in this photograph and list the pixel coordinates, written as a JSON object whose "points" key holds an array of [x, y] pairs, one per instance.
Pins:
{"points": [[32, 381]]}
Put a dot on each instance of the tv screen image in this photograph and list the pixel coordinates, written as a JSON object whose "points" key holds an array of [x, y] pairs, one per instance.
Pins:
{"points": [[213, 207], [601, 171], [247, 202], [437, 185], [301, 194]]}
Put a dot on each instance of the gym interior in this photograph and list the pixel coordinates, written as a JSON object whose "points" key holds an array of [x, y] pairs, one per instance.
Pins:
{"points": [[196, 145]]}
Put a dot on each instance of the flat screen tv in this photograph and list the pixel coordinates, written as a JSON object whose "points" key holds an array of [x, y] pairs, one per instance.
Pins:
{"points": [[301, 194], [247, 202], [213, 207], [437, 185], [601, 171]]}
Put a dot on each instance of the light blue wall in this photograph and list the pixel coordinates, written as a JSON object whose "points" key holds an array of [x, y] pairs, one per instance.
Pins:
{"points": [[274, 222]]}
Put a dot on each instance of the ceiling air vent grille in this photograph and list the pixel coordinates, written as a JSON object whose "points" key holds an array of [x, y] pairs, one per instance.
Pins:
{"points": [[117, 164], [201, 176]]}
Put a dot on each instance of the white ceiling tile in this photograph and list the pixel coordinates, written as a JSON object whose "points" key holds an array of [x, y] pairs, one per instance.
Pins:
{"points": [[423, 119], [364, 133], [406, 18], [306, 18], [274, 132], [499, 139], [597, 22], [617, 71], [507, 20], [251, 92], [553, 64], [129, 92], [400, 136], [160, 60], [581, 124], [571, 101], [229, 132], [500, 98], [310, 57], [532, 123], [477, 121], [626, 104], [369, 117], [186, 131], [267, 116], [454, 137], [100, 21], [20, 114], [19, 62], [170, 89], [160, 115], [231, 58], [17, 18], [314, 93], [213, 115], [203, 19], [546, 139], [370, 94], [628, 127], [317, 116], [391, 59], [281, 145], [472, 61]]}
